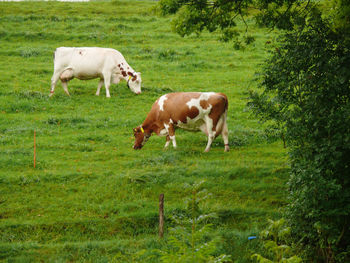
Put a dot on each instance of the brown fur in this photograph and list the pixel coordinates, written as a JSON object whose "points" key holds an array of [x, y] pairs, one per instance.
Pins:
{"points": [[216, 112], [204, 104], [134, 77], [176, 110]]}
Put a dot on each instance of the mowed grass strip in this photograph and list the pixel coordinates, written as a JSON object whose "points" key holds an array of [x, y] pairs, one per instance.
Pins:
{"points": [[91, 196]]}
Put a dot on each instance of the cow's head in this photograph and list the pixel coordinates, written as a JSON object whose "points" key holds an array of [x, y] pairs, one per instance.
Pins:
{"points": [[140, 137], [134, 82]]}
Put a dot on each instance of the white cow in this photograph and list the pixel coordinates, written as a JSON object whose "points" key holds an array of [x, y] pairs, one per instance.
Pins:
{"points": [[93, 62]]}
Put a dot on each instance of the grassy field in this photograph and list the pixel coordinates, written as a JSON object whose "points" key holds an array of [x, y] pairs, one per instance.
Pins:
{"points": [[91, 196]]}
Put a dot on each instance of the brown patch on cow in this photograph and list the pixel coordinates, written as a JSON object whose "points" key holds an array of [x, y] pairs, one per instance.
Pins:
{"points": [[124, 73], [121, 68], [134, 77], [220, 105], [118, 65], [204, 104], [192, 113], [176, 105], [187, 96], [80, 53]]}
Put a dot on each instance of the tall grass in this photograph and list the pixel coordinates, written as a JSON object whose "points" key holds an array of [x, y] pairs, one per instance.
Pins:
{"points": [[91, 196]]}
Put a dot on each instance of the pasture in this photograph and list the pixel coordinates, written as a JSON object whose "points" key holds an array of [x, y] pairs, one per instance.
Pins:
{"points": [[91, 196]]}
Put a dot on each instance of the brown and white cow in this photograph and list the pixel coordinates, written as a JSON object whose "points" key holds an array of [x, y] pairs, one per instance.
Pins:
{"points": [[204, 111], [107, 64]]}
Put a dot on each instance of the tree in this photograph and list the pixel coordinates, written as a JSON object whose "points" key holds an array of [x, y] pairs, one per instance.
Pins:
{"points": [[308, 78], [194, 16], [305, 88]]}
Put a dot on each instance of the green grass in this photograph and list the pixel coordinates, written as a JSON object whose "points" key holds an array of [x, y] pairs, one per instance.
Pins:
{"points": [[92, 197]]}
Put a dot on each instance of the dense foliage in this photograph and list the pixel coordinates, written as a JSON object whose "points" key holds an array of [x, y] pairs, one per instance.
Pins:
{"points": [[305, 91], [306, 87], [222, 15], [276, 238]]}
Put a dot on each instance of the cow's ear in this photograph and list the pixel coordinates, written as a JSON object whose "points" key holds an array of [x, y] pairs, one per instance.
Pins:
{"points": [[130, 74]]}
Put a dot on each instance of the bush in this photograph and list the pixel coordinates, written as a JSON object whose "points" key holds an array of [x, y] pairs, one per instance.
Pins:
{"points": [[306, 90], [191, 239], [276, 242]]}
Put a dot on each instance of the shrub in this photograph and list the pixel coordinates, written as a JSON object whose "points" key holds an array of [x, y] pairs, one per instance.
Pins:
{"points": [[276, 242], [191, 240], [306, 90]]}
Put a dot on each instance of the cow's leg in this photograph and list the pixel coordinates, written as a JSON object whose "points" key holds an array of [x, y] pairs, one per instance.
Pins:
{"points": [[173, 140], [167, 141], [221, 128], [211, 132], [54, 79], [224, 134], [171, 133], [66, 76], [65, 87], [107, 81], [100, 84]]}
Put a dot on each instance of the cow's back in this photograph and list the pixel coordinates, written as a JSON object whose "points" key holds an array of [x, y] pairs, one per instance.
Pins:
{"points": [[63, 55], [87, 62], [81, 57], [188, 108]]}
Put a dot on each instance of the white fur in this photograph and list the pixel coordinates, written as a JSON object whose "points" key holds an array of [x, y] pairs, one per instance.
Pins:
{"points": [[163, 132], [172, 138], [161, 102], [195, 102], [199, 122], [89, 63]]}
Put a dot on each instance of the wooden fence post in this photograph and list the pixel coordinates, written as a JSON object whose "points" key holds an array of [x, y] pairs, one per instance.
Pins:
{"points": [[161, 215]]}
